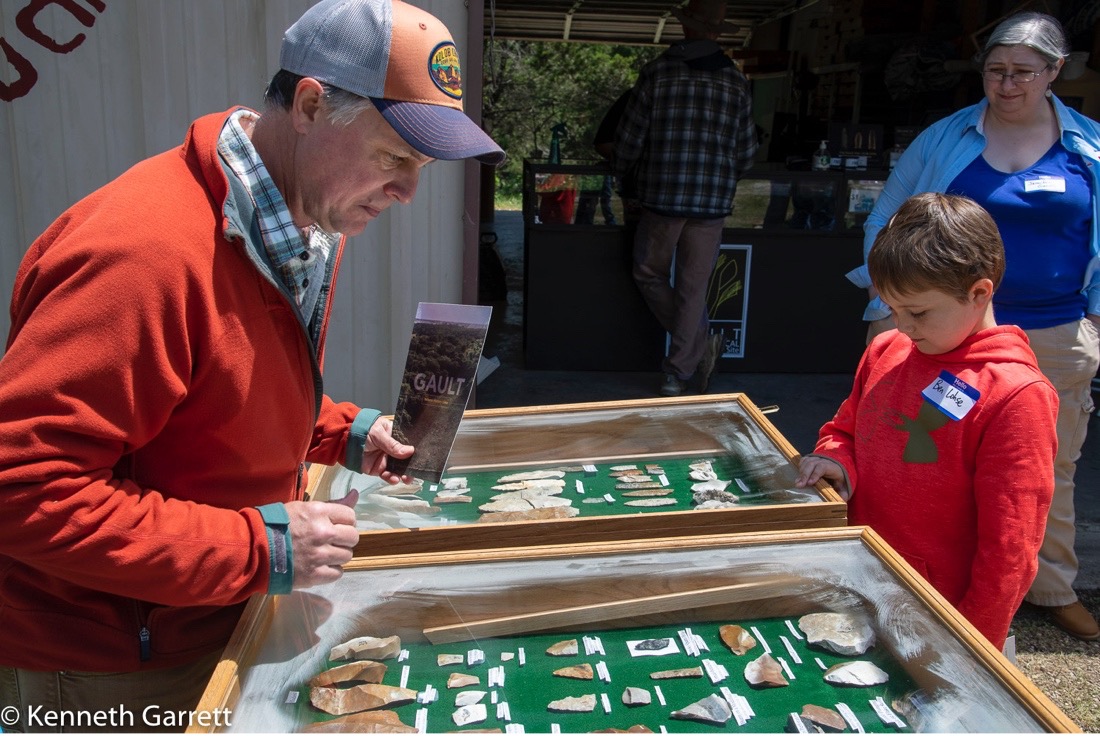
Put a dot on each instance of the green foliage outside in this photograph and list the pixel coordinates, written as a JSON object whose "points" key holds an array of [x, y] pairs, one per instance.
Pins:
{"points": [[530, 86]]}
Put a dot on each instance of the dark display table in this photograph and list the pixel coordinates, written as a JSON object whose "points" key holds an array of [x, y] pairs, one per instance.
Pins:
{"points": [[778, 293]]}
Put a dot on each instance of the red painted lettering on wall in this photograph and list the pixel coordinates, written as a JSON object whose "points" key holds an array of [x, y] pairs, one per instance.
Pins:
{"points": [[28, 75], [25, 22]]}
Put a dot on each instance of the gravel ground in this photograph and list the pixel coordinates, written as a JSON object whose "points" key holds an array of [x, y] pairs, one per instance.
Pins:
{"points": [[1067, 670]]}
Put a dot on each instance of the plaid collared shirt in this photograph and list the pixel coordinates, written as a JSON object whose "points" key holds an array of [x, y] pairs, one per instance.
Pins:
{"points": [[687, 133], [300, 259]]}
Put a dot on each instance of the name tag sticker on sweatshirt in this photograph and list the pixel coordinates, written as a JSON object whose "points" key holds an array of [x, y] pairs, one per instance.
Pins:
{"points": [[1045, 184], [953, 396]]}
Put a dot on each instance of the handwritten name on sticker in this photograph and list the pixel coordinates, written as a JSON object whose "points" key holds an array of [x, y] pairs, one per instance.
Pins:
{"points": [[951, 395]]}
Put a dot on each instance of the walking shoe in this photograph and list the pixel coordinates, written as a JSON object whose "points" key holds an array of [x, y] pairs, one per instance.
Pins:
{"points": [[672, 386], [1075, 620], [710, 360]]}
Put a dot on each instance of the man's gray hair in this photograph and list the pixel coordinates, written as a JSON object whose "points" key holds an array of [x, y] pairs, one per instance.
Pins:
{"points": [[341, 106], [1037, 31]]}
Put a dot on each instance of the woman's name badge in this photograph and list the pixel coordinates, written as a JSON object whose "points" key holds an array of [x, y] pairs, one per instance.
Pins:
{"points": [[1045, 184], [953, 396]]}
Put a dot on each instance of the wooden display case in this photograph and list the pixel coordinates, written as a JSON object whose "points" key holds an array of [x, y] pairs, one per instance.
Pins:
{"points": [[943, 675], [587, 440]]}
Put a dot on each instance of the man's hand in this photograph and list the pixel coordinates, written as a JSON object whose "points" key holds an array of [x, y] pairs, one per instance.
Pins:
{"points": [[322, 536], [812, 469], [380, 445]]}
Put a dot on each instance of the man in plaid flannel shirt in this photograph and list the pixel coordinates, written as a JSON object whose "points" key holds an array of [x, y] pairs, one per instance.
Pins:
{"points": [[686, 136]]}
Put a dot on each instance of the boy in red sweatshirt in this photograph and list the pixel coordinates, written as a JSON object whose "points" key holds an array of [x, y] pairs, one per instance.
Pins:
{"points": [[946, 444]]}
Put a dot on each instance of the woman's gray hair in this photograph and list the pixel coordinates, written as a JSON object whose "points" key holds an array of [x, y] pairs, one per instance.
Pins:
{"points": [[1037, 31], [341, 106]]}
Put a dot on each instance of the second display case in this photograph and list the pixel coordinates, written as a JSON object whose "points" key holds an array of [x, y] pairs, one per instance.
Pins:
{"points": [[593, 472]]}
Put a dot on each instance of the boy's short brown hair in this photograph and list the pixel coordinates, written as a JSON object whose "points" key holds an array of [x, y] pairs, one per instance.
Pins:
{"points": [[937, 241]]}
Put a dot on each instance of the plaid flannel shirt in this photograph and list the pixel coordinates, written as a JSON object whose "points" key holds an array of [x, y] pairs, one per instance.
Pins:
{"points": [[687, 134], [301, 265]]}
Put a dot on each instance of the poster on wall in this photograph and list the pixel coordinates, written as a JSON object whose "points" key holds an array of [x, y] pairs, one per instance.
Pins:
{"points": [[728, 298]]}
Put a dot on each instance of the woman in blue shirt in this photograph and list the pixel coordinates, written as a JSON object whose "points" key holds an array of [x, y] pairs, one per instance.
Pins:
{"points": [[1034, 164]]}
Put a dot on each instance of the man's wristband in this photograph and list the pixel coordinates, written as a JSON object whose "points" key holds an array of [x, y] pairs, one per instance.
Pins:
{"points": [[357, 439], [277, 523]]}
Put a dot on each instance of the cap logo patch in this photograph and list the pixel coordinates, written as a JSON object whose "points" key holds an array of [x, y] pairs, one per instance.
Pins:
{"points": [[445, 70]]}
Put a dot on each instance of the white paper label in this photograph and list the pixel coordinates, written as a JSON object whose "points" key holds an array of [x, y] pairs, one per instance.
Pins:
{"points": [[953, 396], [850, 717], [790, 650], [1045, 184], [796, 719], [760, 638], [887, 716], [786, 668]]}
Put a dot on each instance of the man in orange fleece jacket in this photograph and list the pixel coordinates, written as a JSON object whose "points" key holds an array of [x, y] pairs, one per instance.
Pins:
{"points": [[161, 389]]}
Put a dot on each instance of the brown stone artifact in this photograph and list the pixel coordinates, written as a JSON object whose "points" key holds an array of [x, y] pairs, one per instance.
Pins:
{"points": [[366, 647], [714, 499], [711, 709], [736, 638], [566, 648], [364, 671], [764, 671], [467, 714], [673, 674], [580, 704], [555, 512], [372, 721], [844, 633], [454, 499], [825, 717], [531, 475], [860, 673], [576, 672], [546, 485], [634, 479], [519, 503], [458, 679], [652, 502], [338, 702]]}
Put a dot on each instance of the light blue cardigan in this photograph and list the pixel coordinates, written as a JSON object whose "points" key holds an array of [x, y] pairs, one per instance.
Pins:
{"points": [[943, 150]]}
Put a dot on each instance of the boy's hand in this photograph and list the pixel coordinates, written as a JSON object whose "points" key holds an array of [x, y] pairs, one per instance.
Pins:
{"points": [[812, 469]]}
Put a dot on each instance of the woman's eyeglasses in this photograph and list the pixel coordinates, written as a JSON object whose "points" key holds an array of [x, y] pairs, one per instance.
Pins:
{"points": [[990, 75]]}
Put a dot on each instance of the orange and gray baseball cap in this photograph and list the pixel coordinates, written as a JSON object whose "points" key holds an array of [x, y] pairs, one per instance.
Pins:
{"points": [[400, 57]]}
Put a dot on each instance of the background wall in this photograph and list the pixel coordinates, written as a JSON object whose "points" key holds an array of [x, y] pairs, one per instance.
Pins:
{"points": [[90, 87]]}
